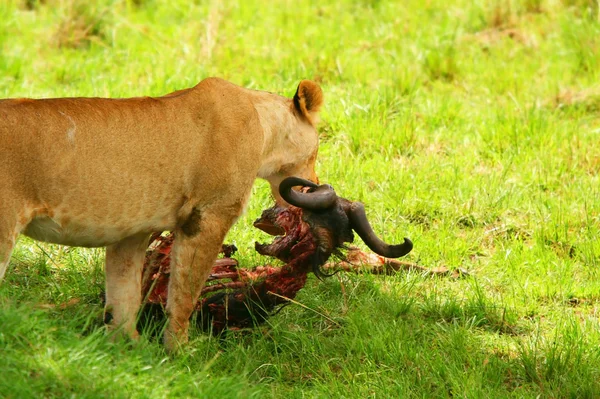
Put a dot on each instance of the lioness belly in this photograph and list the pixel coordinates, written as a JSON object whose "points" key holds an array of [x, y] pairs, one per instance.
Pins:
{"points": [[44, 228]]}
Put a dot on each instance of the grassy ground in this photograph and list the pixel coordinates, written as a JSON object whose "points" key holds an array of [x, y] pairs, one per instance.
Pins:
{"points": [[471, 127]]}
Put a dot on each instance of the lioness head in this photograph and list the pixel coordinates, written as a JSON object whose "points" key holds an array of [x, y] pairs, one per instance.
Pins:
{"points": [[294, 137]]}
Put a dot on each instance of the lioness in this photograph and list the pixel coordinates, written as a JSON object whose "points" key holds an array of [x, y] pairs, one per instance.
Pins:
{"points": [[97, 172]]}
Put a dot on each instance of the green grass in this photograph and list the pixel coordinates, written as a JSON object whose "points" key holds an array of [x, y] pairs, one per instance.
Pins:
{"points": [[471, 127]]}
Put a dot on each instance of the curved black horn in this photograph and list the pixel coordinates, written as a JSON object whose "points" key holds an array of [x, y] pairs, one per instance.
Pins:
{"points": [[321, 198], [360, 224]]}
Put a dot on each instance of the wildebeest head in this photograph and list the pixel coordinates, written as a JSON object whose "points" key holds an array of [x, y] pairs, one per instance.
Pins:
{"points": [[319, 222]]}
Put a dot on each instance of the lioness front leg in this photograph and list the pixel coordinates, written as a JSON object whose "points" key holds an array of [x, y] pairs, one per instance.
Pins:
{"points": [[9, 228], [7, 242], [194, 252], [124, 262]]}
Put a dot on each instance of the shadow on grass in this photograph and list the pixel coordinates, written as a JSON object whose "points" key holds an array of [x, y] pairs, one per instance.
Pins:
{"points": [[393, 341], [363, 334]]}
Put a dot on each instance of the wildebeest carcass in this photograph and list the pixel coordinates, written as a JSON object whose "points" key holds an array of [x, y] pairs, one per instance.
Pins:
{"points": [[318, 224]]}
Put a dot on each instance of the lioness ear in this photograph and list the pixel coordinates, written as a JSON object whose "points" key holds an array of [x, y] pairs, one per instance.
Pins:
{"points": [[308, 100]]}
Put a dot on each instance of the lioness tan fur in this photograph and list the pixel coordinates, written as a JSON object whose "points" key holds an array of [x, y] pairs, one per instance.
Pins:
{"points": [[98, 172]]}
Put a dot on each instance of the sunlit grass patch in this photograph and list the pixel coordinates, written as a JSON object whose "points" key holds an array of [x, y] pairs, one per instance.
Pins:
{"points": [[470, 127]]}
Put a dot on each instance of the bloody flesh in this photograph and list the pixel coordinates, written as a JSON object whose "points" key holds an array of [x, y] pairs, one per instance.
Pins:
{"points": [[237, 297]]}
